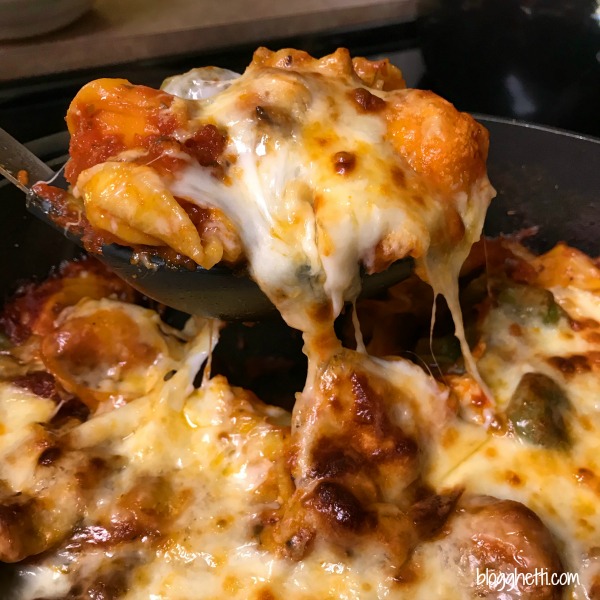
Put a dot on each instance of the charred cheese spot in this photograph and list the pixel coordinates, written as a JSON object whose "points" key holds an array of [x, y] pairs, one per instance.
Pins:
{"points": [[366, 101], [344, 162], [40, 383], [49, 456], [338, 506], [575, 364], [330, 459], [514, 479]]}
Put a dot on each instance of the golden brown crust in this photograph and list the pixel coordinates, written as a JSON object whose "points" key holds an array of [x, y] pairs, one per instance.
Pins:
{"points": [[337, 64], [566, 266], [379, 74], [447, 147], [80, 345], [354, 466]]}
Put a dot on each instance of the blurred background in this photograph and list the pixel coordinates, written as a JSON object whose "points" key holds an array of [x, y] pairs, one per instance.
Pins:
{"points": [[532, 60]]}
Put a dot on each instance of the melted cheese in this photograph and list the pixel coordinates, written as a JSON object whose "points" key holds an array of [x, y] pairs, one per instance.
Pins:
{"points": [[320, 173], [223, 457], [218, 449], [106, 350], [240, 476], [20, 412], [296, 248], [560, 485], [442, 267], [306, 229]]}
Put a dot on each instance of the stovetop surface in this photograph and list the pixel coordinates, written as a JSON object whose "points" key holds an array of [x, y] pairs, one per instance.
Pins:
{"points": [[478, 69], [36, 108]]}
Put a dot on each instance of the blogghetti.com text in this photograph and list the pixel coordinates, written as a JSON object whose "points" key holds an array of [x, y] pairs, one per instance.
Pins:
{"points": [[506, 581]]}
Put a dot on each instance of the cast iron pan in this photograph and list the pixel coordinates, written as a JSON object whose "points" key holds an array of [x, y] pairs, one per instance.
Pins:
{"points": [[545, 178]]}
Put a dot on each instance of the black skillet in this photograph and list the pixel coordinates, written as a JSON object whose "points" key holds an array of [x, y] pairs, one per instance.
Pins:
{"points": [[545, 178]]}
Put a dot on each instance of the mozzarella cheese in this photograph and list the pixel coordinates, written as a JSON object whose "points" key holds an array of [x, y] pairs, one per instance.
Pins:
{"points": [[382, 482], [319, 168], [188, 483]]}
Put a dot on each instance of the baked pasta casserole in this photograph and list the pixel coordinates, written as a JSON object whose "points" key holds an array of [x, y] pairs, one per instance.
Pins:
{"points": [[444, 444]]}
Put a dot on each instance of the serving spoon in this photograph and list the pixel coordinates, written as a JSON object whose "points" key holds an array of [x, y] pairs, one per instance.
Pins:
{"points": [[219, 292]]}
